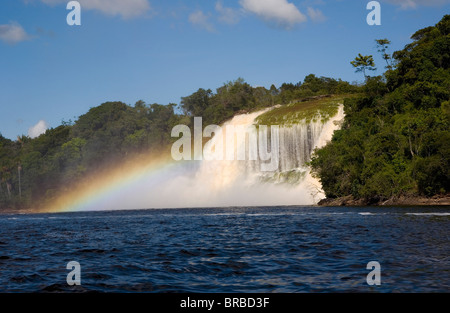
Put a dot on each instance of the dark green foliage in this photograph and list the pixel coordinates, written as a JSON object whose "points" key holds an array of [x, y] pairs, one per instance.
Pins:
{"points": [[114, 131], [238, 95], [62, 156], [363, 63], [396, 136]]}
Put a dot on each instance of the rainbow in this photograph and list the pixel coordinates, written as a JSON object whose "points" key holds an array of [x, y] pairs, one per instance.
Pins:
{"points": [[100, 191]]}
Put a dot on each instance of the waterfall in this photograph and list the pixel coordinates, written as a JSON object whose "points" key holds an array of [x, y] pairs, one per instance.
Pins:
{"points": [[225, 183], [243, 183]]}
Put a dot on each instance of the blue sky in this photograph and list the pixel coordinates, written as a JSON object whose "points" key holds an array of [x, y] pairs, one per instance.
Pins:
{"points": [[160, 51]]}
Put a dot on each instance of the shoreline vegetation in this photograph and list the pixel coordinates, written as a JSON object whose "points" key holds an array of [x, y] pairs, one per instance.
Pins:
{"points": [[393, 147]]}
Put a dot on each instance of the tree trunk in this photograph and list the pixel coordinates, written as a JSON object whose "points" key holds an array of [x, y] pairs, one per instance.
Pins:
{"points": [[410, 146], [19, 169], [8, 188]]}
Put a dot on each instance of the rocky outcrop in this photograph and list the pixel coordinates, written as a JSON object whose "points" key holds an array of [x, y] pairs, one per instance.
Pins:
{"points": [[394, 201]]}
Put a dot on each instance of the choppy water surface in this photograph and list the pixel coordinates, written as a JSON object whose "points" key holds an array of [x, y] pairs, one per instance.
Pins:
{"points": [[277, 249]]}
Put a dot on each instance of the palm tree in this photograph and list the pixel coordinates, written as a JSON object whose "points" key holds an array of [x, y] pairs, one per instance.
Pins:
{"points": [[364, 63]]}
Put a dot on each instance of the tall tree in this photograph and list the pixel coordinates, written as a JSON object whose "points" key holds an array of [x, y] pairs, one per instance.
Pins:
{"points": [[364, 63], [383, 46], [196, 103]]}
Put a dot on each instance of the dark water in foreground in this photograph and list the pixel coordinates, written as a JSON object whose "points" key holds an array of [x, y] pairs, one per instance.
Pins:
{"points": [[285, 249]]}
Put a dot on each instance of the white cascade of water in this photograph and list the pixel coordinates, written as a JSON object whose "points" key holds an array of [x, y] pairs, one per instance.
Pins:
{"points": [[234, 183], [222, 183]]}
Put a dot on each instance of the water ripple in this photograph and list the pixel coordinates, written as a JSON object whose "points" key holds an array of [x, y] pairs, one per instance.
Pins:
{"points": [[292, 249]]}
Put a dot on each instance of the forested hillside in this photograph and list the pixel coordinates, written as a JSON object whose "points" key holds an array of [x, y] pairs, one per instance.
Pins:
{"points": [[34, 171], [395, 140]]}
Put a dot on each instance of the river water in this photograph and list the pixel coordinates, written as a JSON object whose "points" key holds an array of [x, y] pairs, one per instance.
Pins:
{"points": [[244, 249]]}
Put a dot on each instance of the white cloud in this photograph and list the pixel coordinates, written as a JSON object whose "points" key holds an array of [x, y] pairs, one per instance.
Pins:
{"points": [[13, 33], [125, 8], [199, 19], [279, 12], [413, 4], [227, 15], [316, 15], [38, 129]]}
